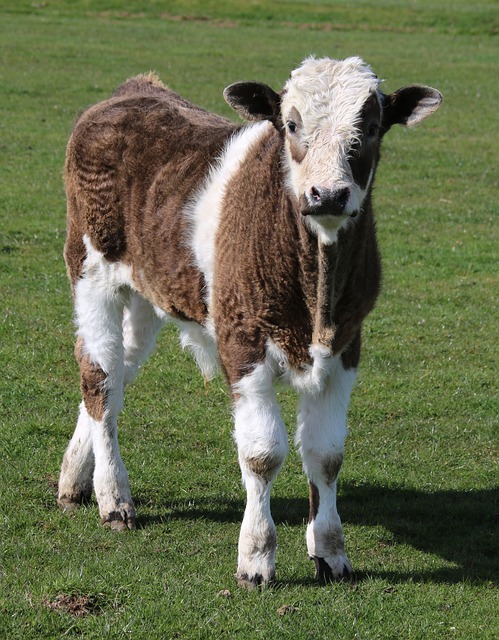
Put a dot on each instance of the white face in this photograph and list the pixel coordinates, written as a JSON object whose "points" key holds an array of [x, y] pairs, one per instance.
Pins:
{"points": [[331, 111]]}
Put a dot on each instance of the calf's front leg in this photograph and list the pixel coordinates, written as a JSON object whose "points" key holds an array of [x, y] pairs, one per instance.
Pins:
{"points": [[322, 429], [262, 445]]}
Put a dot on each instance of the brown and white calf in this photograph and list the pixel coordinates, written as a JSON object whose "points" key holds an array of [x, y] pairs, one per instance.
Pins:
{"points": [[258, 241]]}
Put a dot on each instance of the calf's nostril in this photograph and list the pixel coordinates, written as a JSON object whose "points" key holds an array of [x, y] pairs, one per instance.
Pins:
{"points": [[315, 194], [342, 196]]}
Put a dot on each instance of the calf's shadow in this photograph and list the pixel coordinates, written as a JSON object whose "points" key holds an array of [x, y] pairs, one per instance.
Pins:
{"points": [[459, 526]]}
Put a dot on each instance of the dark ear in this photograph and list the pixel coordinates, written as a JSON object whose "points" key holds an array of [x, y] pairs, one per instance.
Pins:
{"points": [[410, 105], [254, 101]]}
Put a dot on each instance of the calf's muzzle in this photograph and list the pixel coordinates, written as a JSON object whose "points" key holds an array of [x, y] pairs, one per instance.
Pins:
{"points": [[320, 201]]}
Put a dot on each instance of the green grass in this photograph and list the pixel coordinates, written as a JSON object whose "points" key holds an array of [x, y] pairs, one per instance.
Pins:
{"points": [[418, 490]]}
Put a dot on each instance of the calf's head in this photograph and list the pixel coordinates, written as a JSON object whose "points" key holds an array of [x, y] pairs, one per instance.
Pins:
{"points": [[332, 116]]}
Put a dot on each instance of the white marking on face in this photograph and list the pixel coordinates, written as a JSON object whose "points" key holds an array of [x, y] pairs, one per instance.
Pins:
{"points": [[326, 97]]}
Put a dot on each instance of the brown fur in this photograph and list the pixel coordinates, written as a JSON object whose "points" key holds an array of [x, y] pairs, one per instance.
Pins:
{"points": [[264, 467], [332, 540], [324, 328], [273, 282], [92, 380], [145, 84], [369, 124], [332, 466], [74, 249], [269, 543], [258, 281], [314, 499], [132, 162]]}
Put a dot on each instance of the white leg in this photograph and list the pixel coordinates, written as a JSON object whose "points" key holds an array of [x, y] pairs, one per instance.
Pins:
{"points": [[99, 316], [141, 325], [322, 428], [112, 488], [76, 479], [262, 446]]}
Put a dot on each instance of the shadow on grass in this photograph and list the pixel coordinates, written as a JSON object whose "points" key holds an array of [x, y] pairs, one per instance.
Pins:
{"points": [[459, 526]]}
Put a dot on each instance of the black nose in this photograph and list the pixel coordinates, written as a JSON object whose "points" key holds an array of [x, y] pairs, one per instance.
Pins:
{"points": [[321, 201]]}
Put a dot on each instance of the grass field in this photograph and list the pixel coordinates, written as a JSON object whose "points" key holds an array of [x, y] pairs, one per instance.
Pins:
{"points": [[418, 489]]}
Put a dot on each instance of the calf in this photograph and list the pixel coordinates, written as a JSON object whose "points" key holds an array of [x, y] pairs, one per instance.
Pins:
{"points": [[258, 241]]}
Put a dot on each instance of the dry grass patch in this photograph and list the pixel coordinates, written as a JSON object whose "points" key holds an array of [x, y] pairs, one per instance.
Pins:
{"points": [[75, 604]]}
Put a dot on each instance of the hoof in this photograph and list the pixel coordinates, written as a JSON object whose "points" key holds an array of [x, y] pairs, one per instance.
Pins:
{"points": [[67, 506], [70, 504], [252, 582], [324, 573], [121, 520]]}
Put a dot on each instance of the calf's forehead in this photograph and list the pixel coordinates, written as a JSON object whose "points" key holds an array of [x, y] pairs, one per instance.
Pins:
{"points": [[329, 92]]}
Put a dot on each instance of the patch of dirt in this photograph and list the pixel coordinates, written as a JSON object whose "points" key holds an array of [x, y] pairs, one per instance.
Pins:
{"points": [[75, 604], [286, 609]]}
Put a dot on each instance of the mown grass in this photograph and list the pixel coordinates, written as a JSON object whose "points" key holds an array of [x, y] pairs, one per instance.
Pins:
{"points": [[418, 491]]}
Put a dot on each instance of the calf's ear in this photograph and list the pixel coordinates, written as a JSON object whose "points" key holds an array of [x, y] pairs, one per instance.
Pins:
{"points": [[410, 105], [254, 101]]}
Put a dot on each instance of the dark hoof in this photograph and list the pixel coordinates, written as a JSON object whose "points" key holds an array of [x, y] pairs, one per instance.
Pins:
{"points": [[324, 573]]}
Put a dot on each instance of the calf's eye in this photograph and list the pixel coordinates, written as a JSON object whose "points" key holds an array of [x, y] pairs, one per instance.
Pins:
{"points": [[292, 127]]}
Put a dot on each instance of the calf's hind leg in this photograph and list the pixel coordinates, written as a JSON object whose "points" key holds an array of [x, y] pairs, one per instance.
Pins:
{"points": [[76, 477], [99, 314], [141, 325], [78, 465]]}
